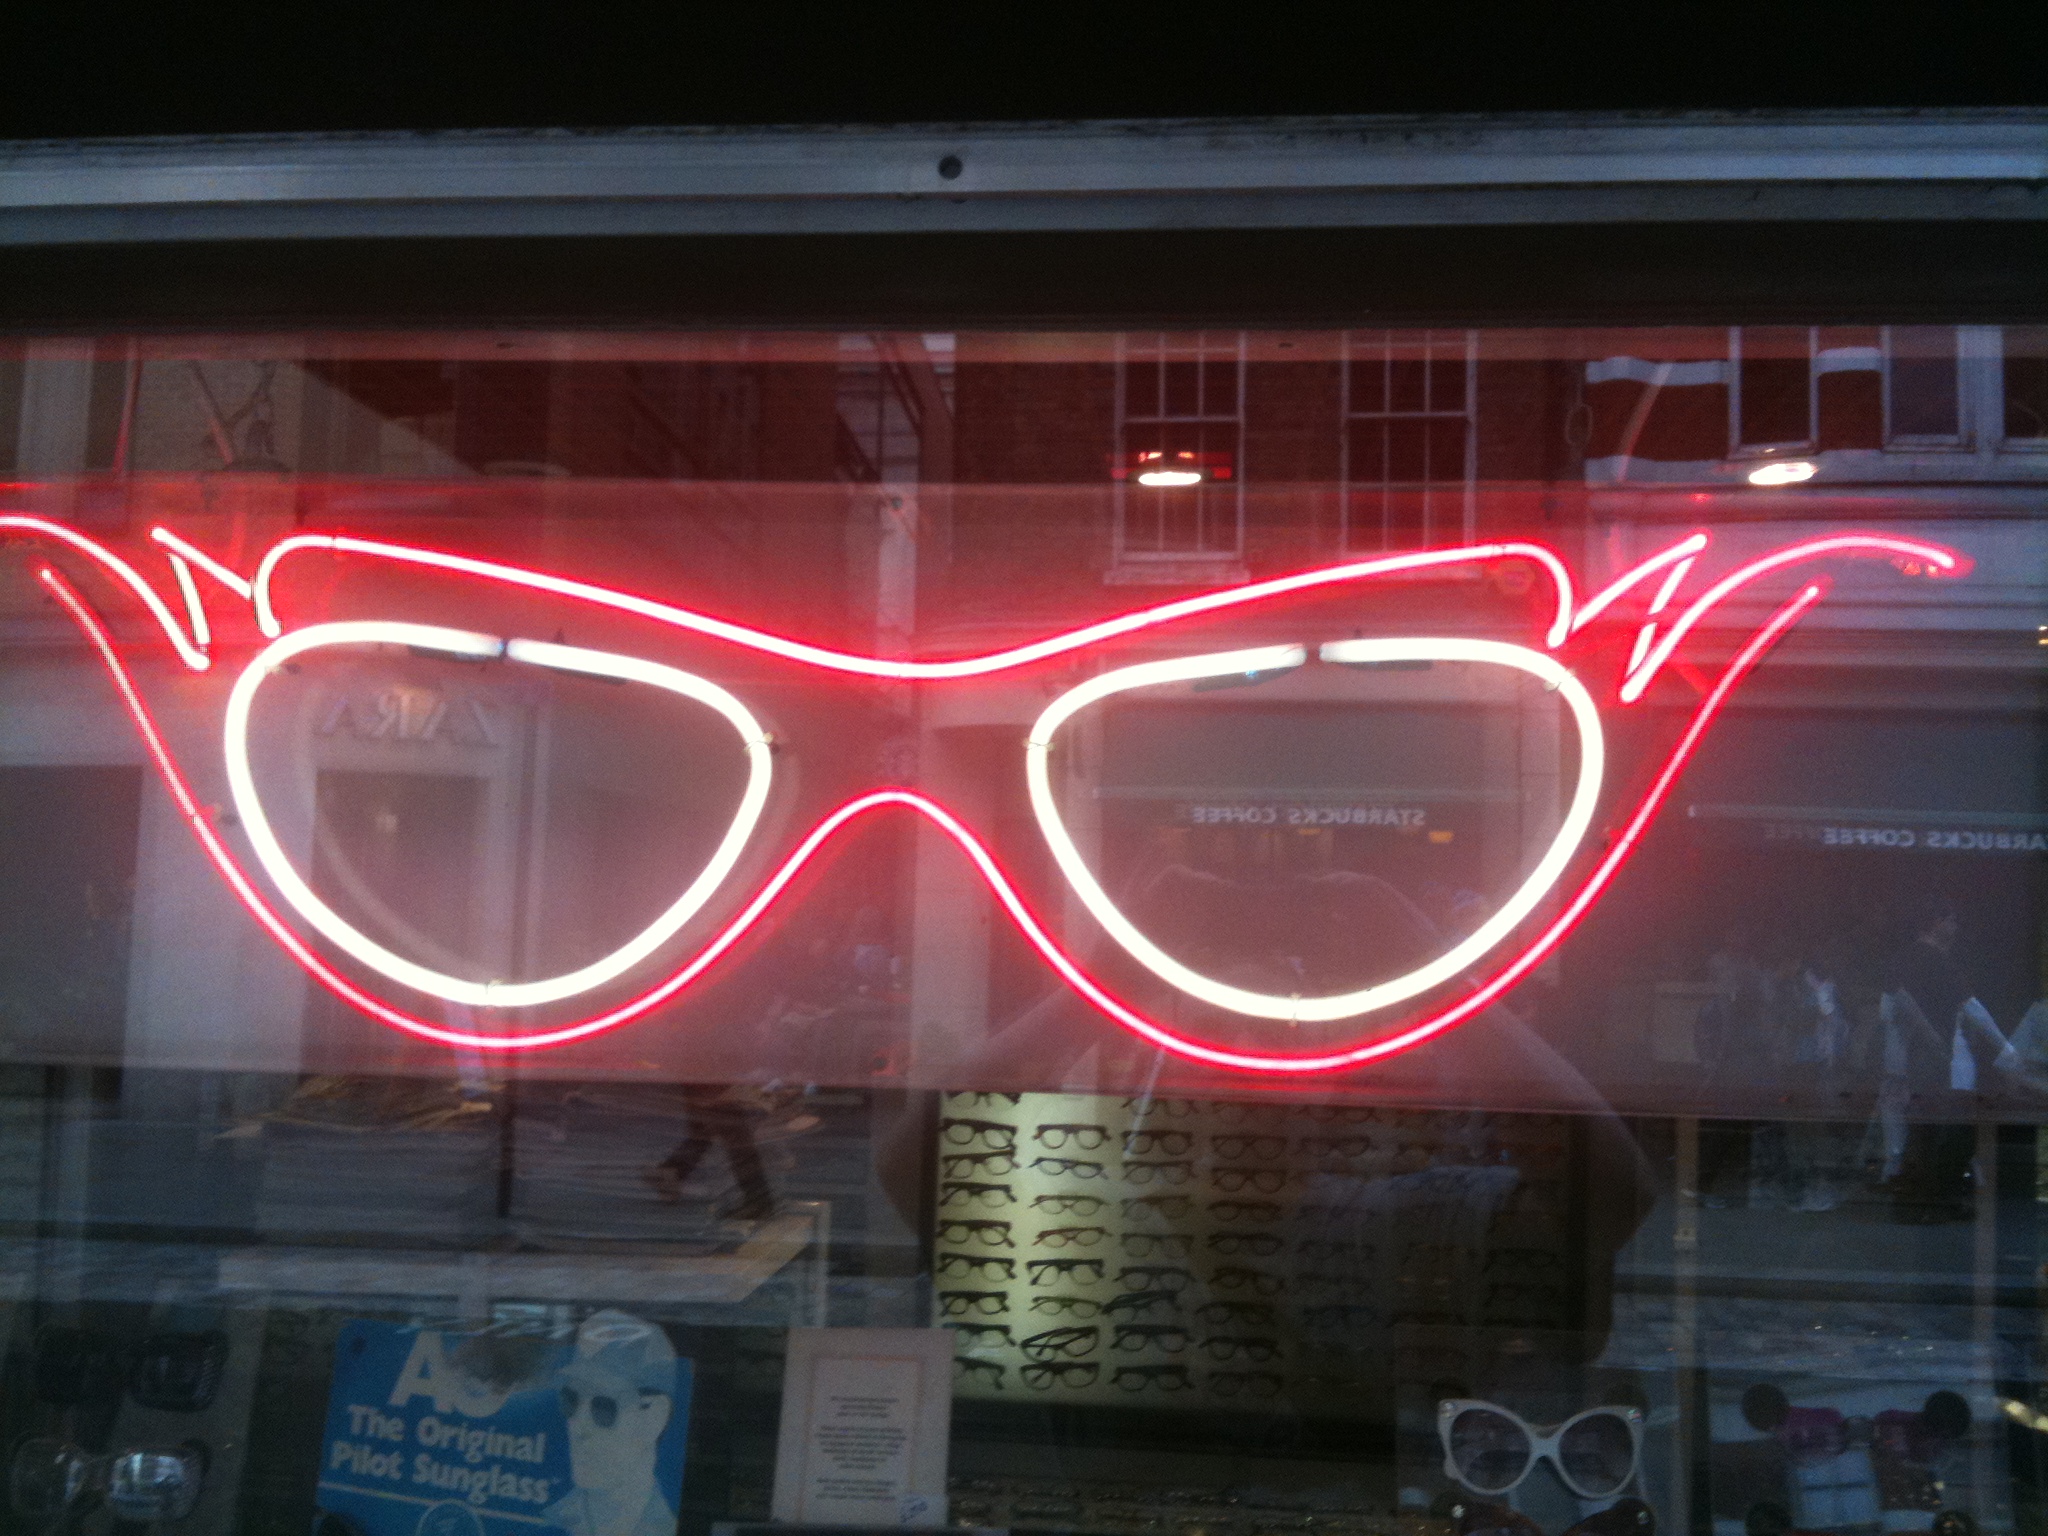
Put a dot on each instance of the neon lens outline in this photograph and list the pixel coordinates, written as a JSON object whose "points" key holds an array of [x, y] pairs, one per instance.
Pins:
{"points": [[466, 644], [1266, 660]]}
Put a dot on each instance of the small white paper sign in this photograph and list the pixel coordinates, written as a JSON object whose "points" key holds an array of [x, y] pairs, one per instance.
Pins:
{"points": [[866, 1413]]}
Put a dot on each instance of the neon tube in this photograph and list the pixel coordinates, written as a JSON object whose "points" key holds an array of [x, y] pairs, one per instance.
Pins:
{"points": [[913, 671], [1599, 603], [1936, 557], [195, 611], [239, 585], [486, 994], [1345, 1005], [122, 571], [1639, 677], [1165, 1038]]}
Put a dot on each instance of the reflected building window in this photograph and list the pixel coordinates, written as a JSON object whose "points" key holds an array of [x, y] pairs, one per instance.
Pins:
{"points": [[1179, 510], [1408, 439]]}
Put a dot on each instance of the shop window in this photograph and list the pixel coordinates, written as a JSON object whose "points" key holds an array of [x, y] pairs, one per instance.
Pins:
{"points": [[2024, 374], [1180, 440], [1922, 398], [1408, 438], [1774, 394]]}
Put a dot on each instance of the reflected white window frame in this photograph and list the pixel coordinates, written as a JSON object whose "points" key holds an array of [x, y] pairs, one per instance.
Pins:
{"points": [[1966, 433], [1995, 417], [1132, 558], [1461, 528], [1738, 447]]}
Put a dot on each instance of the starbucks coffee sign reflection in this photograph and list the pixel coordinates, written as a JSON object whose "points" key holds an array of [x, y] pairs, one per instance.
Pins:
{"points": [[1281, 813]]}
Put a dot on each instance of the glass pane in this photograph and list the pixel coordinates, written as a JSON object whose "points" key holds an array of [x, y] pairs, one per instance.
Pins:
{"points": [[561, 881], [1775, 381], [1923, 381]]}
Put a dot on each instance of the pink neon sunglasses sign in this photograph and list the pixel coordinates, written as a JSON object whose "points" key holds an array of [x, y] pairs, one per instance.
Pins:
{"points": [[1657, 580]]}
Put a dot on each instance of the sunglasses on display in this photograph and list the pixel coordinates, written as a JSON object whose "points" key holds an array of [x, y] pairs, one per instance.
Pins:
{"points": [[1252, 1029], [1157, 1378], [957, 1192], [1168, 1245], [1236, 1146], [1260, 1244], [959, 1164], [1074, 1271], [963, 1303], [1069, 1205], [1171, 1109], [1161, 1143], [1165, 1207], [1041, 1375], [1267, 1181], [1154, 1277], [1335, 1146], [1083, 1138], [988, 1233], [1245, 1347], [1071, 1237], [1137, 1303], [1244, 1210], [980, 1266], [1132, 1337], [1166, 1172], [983, 1335], [1066, 1306], [1055, 1342], [1240, 1277], [1071, 1167], [1235, 1314], [1491, 1450], [985, 1100], [993, 1134]]}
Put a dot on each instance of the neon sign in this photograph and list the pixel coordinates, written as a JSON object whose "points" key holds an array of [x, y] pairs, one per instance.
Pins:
{"points": [[1656, 642]]}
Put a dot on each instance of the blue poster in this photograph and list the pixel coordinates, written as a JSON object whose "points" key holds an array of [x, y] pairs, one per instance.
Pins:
{"points": [[440, 1433]]}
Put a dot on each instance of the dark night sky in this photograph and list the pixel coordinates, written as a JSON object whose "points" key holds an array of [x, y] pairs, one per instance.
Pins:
{"points": [[75, 68]]}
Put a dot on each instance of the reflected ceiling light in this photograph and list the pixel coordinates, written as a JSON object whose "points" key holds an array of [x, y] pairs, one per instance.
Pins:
{"points": [[1791, 472]]}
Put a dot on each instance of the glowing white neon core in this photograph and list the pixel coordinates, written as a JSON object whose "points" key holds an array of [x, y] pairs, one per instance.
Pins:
{"points": [[1790, 472], [1163, 479], [454, 642], [1264, 1005]]}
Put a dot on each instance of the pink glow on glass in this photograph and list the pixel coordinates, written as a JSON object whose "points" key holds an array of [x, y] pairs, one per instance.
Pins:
{"points": [[239, 585], [1945, 561], [1013, 903], [1681, 553], [189, 651], [918, 671]]}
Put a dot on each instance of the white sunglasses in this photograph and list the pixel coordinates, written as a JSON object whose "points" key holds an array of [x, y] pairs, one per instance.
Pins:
{"points": [[1490, 1449]]}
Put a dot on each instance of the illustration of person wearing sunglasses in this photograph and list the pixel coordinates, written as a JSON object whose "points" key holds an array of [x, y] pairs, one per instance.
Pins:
{"points": [[618, 1394]]}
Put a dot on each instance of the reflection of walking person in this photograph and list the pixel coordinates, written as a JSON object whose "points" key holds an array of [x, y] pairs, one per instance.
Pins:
{"points": [[1947, 1039], [617, 1396], [716, 1114]]}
